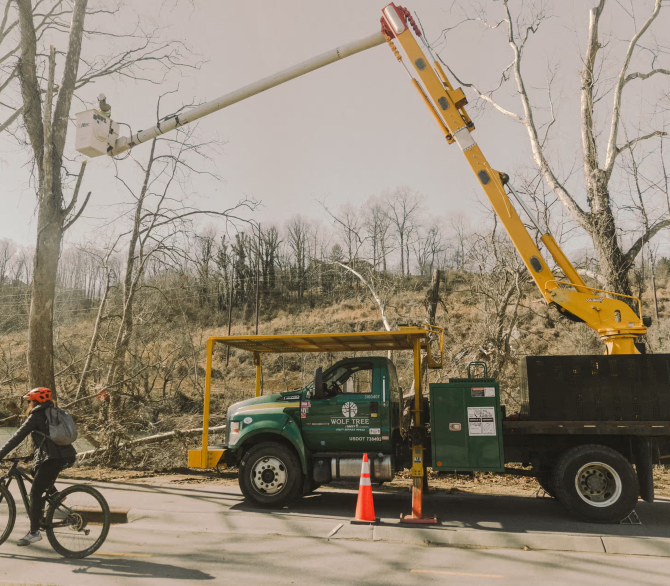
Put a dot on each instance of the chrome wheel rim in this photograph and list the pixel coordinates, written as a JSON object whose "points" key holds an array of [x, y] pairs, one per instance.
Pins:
{"points": [[269, 475], [598, 484]]}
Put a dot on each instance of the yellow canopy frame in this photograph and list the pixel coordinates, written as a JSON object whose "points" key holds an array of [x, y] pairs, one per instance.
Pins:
{"points": [[414, 338]]}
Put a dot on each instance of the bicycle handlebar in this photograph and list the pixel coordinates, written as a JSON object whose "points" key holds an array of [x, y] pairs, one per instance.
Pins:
{"points": [[21, 459]]}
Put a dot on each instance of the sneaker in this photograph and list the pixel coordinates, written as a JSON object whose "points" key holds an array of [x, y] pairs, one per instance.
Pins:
{"points": [[30, 538]]}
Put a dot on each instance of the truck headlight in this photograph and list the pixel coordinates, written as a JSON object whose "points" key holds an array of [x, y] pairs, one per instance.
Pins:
{"points": [[234, 431]]}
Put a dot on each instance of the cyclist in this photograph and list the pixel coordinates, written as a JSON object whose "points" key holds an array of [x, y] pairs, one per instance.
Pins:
{"points": [[49, 458]]}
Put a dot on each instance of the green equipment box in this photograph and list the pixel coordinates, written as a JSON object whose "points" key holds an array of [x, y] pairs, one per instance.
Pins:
{"points": [[466, 426]]}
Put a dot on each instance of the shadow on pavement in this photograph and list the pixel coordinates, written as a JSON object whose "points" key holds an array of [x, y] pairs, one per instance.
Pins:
{"points": [[502, 513], [516, 514], [119, 567]]}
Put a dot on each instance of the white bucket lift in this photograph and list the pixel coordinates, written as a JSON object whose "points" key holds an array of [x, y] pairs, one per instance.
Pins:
{"points": [[96, 133]]}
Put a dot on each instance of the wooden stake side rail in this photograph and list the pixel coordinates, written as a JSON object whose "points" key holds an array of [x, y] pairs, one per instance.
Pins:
{"points": [[643, 428]]}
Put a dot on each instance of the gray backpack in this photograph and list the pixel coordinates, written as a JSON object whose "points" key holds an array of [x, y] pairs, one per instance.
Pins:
{"points": [[62, 428]]}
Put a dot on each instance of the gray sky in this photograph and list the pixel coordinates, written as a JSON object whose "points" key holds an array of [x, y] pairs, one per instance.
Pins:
{"points": [[342, 133]]}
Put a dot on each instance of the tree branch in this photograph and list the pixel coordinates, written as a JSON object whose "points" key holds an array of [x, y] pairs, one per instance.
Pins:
{"points": [[11, 119], [380, 304], [78, 214], [638, 75], [646, 237], [30, 87], [631, 143], [529, 122], [69, 79], [616, 107]]}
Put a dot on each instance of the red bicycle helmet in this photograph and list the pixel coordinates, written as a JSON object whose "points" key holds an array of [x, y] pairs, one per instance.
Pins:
{"points": [[40, 394]]}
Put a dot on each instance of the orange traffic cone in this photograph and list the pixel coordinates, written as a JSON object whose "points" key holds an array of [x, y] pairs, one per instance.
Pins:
{"points": [[365, 508]]}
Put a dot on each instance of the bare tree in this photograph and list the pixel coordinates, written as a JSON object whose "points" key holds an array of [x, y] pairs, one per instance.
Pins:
{"points": [[599, 221], [428, 248], [159, 219], [47, 140], [378, 227], [46, 126], [104, 262], [348, 222], [7, 251], [403, 207], [297, 233]]}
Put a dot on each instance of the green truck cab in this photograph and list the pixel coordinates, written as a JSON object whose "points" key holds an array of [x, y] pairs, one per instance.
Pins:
{"points": [[319, 437]]}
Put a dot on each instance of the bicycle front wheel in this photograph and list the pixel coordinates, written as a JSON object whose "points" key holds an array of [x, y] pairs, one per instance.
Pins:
{"points": [[77, 521], [7, 513]]}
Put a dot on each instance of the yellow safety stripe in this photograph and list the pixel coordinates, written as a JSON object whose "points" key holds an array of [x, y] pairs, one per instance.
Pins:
{"points": [[265, 407]]}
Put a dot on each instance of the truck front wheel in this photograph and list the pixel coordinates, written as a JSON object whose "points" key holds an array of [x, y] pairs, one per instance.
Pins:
{"points": [[596, 483], [270, 475]]}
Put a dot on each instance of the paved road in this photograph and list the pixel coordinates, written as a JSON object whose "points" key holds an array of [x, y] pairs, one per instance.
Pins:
{"points": [[209, 534]]}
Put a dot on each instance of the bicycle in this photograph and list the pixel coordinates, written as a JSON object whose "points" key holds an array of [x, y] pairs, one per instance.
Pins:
{"points": [[75, 530]]}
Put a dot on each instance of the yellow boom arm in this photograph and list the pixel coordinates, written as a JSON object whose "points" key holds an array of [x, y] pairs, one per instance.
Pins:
{"points": [[614, 320]]}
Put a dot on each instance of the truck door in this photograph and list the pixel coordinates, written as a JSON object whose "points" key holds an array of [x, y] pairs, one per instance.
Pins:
{"points": [[350, 417]]}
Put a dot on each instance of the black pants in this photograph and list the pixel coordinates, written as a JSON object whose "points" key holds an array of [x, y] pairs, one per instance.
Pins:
{"points": [[43, 479]]}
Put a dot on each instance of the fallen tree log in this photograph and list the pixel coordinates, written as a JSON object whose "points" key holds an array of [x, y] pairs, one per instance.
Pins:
{"points": [[154, 439]]}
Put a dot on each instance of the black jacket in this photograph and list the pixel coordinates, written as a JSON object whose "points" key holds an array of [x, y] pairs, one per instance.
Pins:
{"points": [[38, 427]]}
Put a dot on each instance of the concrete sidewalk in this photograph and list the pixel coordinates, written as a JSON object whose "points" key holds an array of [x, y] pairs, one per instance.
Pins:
{"points": [[466, 520]]}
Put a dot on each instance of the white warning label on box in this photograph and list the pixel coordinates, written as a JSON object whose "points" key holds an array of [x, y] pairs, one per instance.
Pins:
{"points": [[481, 421], [483, 392]]}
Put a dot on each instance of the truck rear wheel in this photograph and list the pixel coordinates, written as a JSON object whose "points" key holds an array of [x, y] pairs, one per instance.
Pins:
{"points": [[596, 483], [545, 482], [270, 475]]}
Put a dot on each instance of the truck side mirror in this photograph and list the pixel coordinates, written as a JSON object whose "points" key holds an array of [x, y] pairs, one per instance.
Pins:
{"points": [[318, 383]]}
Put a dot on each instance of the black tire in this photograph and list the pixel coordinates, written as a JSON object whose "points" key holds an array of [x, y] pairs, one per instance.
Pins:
{"points": [[545, 482], [596, 483], [270, 475], [310, 486], [7, 513], [68, 520]]}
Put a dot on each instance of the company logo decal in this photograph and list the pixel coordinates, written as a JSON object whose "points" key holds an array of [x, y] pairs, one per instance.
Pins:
{"points": [[349, 409]]}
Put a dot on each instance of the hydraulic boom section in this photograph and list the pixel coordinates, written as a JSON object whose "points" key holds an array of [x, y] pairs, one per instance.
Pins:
{"points": [[615, 321]]}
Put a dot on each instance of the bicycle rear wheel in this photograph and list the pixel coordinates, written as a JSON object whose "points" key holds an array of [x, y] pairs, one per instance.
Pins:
{"points": [[77, 521], [7, 513]]}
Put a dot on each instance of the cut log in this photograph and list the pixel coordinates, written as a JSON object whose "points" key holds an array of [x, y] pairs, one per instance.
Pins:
{"points": [[154, 439]]}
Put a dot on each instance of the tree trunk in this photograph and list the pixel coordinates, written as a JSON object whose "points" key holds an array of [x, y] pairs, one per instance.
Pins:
{"points": [[94, 338], [652, 269], [434, 296], [45, 270], [131, 280], [47, 252], [614, 264]]}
